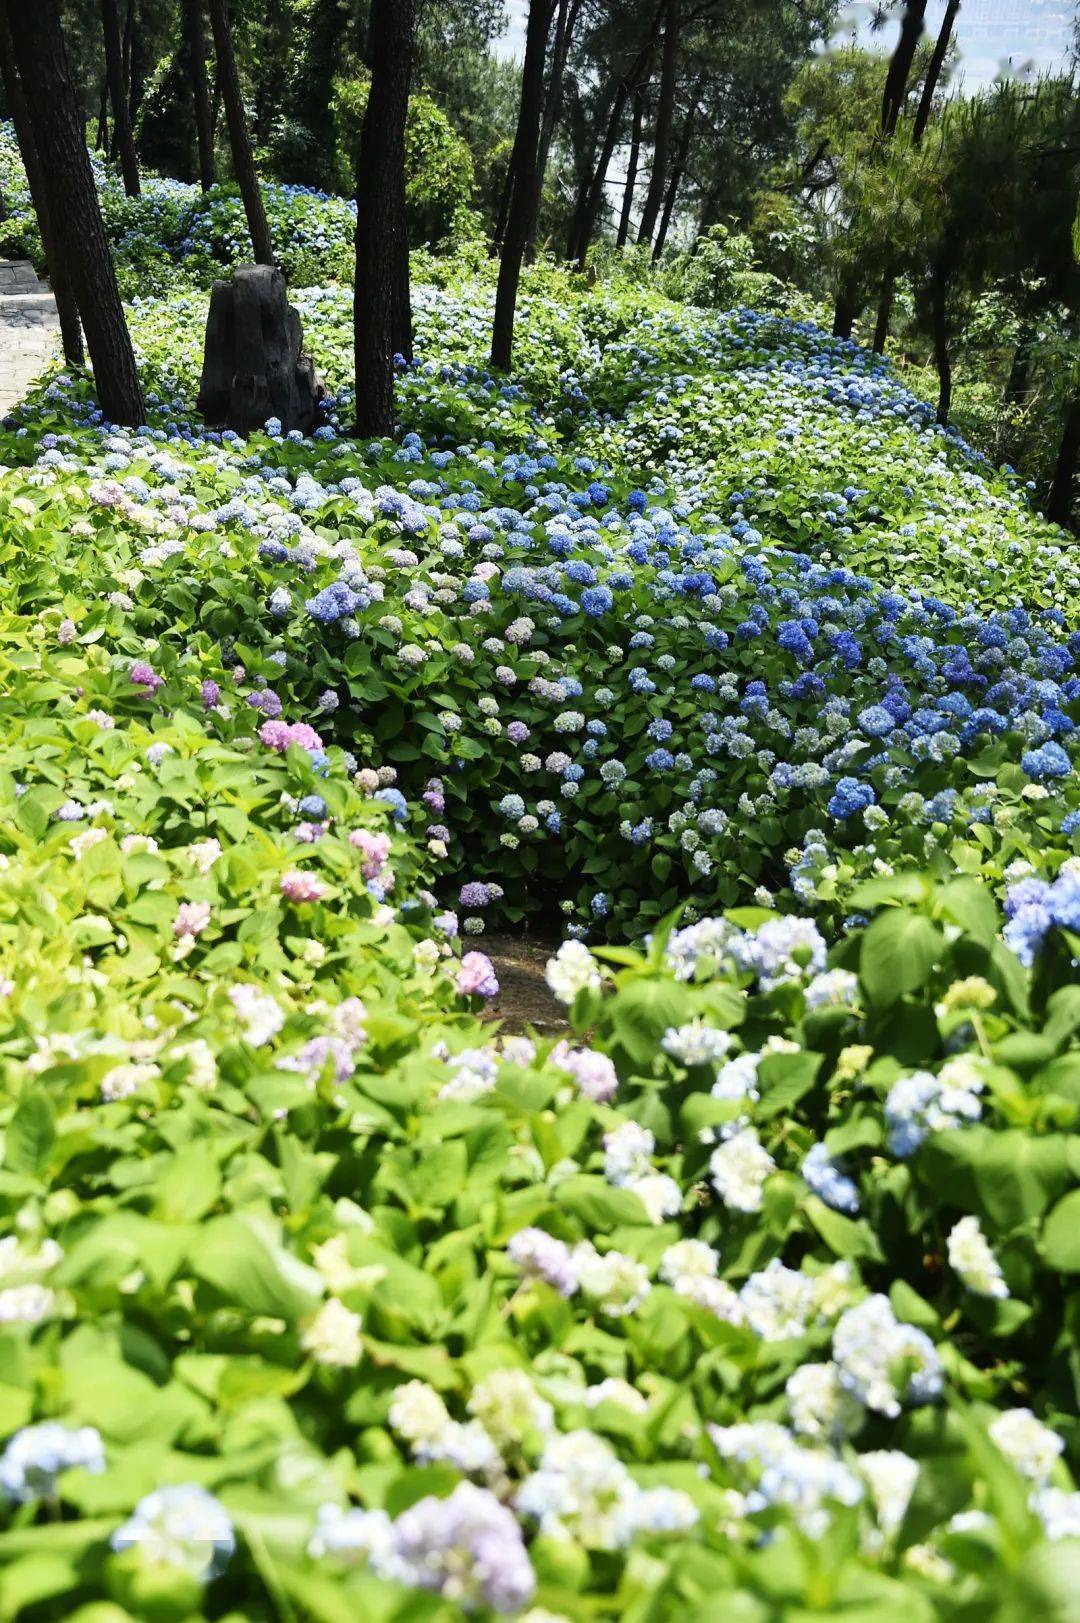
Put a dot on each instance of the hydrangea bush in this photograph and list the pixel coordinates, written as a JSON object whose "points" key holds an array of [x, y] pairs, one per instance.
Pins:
{"points": [[321, 1296]]}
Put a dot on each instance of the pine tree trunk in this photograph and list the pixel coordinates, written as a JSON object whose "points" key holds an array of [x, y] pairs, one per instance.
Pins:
{"points": [[239, 136], [102, 141], [42, 61], [846, 308], [665, 113], [940, 330], [504, 208], [123, 141], [66, 308], [195, 42], [912, 24], [379, 210], [1019, 379], [884, 312], [678, 170], [636, 117], [1060, 500], [565, 22], [523, 198], [933, 72], [125, 55]]}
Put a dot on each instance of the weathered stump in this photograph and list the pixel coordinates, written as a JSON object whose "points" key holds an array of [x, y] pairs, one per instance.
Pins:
{"points": [[254, 366]]}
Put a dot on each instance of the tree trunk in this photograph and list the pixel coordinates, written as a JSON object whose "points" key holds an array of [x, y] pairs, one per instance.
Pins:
{"points": [[1060, 500], [1019, 379], [665, 113], [123, 141], [195, 42], [884, 312], [66, 308], [846, 308], [125, 55], [565, 23], [42, 61], [239, 137], [939, 323], [631, 166], [523, 198], [102, 142], [379, 209], [933, 72], [678, 170], [504, 207], [912, 24]]}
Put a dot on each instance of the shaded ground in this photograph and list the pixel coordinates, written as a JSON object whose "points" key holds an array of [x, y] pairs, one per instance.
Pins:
{"points": [[524, 998]]}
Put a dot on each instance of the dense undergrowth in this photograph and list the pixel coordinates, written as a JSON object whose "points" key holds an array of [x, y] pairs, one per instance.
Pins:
{"points": [[318, 1297]]}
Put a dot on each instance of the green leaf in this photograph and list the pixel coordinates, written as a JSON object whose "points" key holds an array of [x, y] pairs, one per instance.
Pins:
{"points": [[31, 1134], [253, 1273], [898, 952], [1061, 1235]]}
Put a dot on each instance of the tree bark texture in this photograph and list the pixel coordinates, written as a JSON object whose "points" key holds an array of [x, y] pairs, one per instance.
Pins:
{"points": [[912, 24], [524, 196], [565, 23], [665, 113], [939, 323], [933, 72], [63, 293], [884, 312], [42, 61], [123, 140], [239, 136], [380, 223], [678, 170], [1060, 500], [846, 308], [636, 116], [195, 42]]}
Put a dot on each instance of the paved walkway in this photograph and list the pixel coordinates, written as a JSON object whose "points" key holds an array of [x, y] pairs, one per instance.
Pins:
{"points": [[29, 330]]}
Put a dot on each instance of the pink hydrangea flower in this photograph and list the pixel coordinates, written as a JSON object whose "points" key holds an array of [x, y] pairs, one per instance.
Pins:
{"points": [[476, 976], [298, 886], [593, 1073], [278, 735], [375, 848], [191, 919]]}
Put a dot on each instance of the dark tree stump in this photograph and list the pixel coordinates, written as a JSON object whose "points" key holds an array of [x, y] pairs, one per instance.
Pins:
{"points": [[254, 366]]}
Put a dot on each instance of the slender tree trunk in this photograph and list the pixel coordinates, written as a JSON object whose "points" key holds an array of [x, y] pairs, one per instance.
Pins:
{"points": [[912, 24], [379, 208], [636, 117], [523, 198], [933, 72], [42, 61], [884, 312], [1019, 379], [846, 308], [594, 196], [504, 207], [565, 23], [678, 170], [102, 142], [66, 308], [665, 113], [125, 55], [195, 41], [939, 323], [123, 139], [239, 137], [1060, 500]]}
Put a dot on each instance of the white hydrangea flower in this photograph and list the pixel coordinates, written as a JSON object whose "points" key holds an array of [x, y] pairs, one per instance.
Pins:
{"points": [[1029, 1445], [891, 1476], [510, 1409], [418, 1414], [686, 1258], [972, 1257], [332, 1335], [616, 1283], [820, 1405], [572, 970], [739, 1168]]}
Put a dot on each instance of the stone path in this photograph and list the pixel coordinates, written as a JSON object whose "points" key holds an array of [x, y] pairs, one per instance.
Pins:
{"points": [[524, 998], [29, 329]]}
